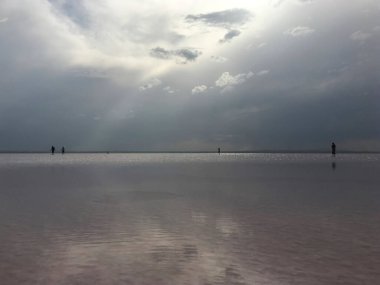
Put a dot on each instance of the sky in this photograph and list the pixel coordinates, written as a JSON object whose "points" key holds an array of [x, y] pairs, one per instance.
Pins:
{"points": [[165, 75]]}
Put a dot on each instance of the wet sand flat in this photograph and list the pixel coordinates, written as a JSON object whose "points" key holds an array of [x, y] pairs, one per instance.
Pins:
{"points": [[189, 219]]}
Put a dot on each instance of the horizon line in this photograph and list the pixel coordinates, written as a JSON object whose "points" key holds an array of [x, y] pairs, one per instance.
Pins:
{"points": [[174, 151]]}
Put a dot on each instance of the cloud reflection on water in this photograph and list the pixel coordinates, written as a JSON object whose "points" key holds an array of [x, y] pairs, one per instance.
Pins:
{"points": [[189, 221]]}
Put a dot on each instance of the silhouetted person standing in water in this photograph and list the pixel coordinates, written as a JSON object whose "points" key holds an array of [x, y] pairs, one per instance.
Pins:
{"points": [[52, 149], [218, 150], [333, 149], [63, 150]]}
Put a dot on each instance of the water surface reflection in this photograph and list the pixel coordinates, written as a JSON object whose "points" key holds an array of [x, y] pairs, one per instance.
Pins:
{"points": [[189, 220]]}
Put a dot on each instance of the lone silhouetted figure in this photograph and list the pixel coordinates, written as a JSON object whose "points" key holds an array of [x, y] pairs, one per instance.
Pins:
{"points": [[333, 149], [52, 149], [218, 150], [63, 150]]}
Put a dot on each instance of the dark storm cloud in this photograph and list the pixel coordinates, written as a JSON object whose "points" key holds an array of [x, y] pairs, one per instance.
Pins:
{"points": [[226, 18], [229, 36], [186, 54]]}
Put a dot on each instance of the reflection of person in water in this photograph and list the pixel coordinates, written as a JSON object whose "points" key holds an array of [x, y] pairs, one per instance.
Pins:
{"points": [[333, 149], [52, 149]]}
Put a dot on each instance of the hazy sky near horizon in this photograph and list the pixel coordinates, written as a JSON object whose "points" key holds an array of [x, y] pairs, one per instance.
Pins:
{"points": [[189, 75]]}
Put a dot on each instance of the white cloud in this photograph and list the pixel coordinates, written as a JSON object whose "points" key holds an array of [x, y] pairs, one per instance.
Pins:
{"points": [[228, 81], [300, 31], [3, 20], [152, 83], [199, 89], [360, 36]]}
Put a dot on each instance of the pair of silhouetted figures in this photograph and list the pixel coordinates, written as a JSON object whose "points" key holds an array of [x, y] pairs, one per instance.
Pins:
{"points": [[53, 149]]}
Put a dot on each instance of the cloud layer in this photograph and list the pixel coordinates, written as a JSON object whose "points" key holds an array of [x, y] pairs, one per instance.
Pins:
{"points": [[155, 75]]}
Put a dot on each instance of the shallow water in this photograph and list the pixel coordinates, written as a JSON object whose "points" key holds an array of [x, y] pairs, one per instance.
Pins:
{"points": [[189, 219]]}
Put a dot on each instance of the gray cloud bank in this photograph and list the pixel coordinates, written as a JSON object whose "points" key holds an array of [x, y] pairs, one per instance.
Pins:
{"points": [[186, 54], [226, 18], [230, 35], [314, 84]]}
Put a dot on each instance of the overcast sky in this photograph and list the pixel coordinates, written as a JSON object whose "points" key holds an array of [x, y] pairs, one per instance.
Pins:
{"points": [[189, 75]]}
